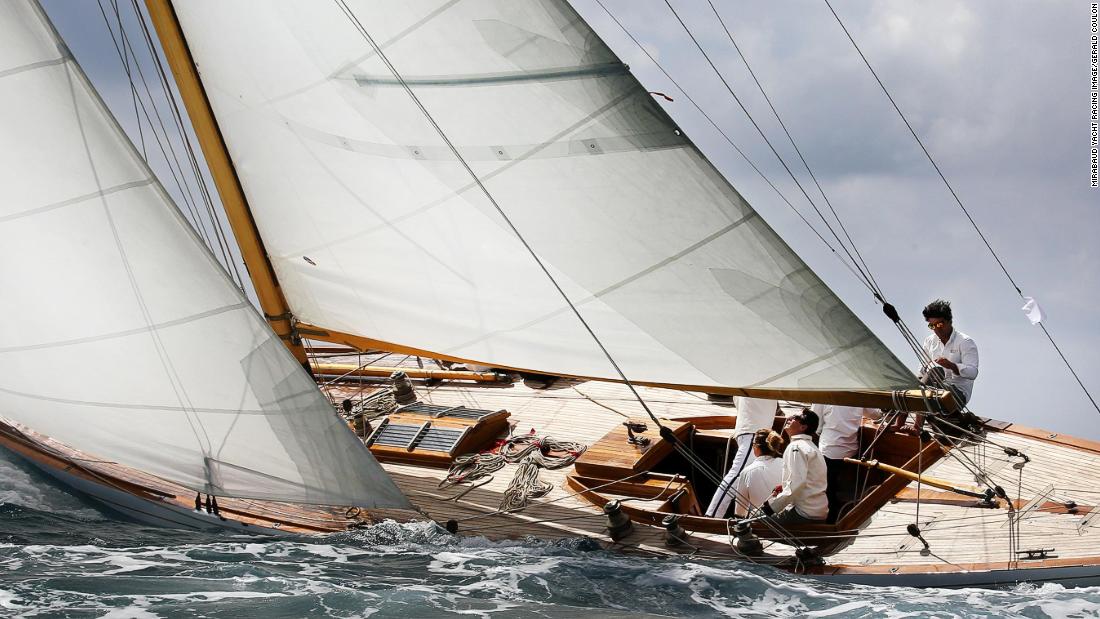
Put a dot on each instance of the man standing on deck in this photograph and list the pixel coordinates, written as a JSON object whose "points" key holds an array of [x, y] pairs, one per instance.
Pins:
{"points": [[840, 427], [752, 415], [804, 476], [954, 357]]}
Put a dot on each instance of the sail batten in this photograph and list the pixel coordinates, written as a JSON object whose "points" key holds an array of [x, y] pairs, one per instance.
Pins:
{"points": [[375, 228], [123, 338]]}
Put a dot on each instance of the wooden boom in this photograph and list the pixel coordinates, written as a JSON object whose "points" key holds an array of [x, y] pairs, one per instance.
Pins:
{"points": [[913, 400], [347, 369]]}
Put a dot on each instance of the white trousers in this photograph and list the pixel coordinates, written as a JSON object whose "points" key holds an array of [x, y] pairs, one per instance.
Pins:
{"points": [[724, 495]]}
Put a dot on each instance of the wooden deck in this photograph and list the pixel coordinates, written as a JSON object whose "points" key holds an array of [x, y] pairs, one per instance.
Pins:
{"points": [[961, 536], [1054, 521]]}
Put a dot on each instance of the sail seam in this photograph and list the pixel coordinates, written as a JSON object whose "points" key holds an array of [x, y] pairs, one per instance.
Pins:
{"points": [[158, 407], [135, 331], [818, 359], [575, 147], [427, 206], [71, 201], [32, 66], [611, 288]]}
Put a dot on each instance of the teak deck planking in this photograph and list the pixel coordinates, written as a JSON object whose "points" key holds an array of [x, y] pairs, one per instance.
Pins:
{"points": [[593, 413]]}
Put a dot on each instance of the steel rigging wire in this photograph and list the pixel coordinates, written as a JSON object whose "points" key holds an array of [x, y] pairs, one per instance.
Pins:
{"points": [[864, 272], [733, 144], [125, 51], [665, 432], [958, 200]]}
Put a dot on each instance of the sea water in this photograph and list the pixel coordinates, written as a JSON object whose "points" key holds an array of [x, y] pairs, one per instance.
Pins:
{"points": [[62, 557]]}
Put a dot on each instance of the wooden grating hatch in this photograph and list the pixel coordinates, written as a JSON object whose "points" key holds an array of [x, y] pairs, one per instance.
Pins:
{"points": [[412, 437], [436, 411], [434, 435]]}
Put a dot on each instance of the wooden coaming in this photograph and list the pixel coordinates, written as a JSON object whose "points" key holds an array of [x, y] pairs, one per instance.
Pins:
{"points": [[612, 457]]}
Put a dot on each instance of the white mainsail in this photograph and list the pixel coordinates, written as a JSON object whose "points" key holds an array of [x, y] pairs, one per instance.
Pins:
{"points": [[375, 228], [122, 336]]}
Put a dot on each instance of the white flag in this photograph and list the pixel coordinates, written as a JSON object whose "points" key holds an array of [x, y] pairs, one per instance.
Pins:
{"points": [[1033, 311]]}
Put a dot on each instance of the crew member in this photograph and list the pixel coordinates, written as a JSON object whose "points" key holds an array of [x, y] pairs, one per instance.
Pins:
{"points": [[756, 482], [954, 358], [801, 498], [840, 427], [752, 415]]}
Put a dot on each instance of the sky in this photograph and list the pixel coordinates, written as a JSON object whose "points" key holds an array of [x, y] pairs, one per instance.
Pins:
{"points": [[999, 94]]}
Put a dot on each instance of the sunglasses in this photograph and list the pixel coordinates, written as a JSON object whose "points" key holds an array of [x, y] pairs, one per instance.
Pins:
{"points": [[936, 325]]}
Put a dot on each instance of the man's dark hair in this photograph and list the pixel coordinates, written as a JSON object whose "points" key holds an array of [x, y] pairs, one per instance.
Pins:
{"points": [[810, 420], [938, 309]]}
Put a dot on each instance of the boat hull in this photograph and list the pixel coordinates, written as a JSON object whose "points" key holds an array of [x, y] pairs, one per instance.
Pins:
{"points": [[145, 511], [1069, 576]]}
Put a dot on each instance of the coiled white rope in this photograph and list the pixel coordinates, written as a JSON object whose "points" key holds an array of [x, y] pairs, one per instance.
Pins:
{"points": [[541, 449], [534, 452]]}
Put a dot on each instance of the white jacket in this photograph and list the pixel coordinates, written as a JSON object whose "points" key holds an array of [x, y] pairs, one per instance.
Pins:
{"points": [[960, 350], [804, 480], [756, 483]]}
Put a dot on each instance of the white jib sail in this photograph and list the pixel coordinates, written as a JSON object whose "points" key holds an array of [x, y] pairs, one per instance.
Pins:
{"points": [[375, 228], [121, 336]]}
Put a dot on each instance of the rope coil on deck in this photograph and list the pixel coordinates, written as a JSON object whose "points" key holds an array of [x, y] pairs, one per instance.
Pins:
{"points": [[541, 450], [472, 467], [533, 452]]}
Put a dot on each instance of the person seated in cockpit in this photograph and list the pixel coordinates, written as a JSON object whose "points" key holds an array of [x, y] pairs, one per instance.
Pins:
{"points": [[756, 482], [801, 497]]}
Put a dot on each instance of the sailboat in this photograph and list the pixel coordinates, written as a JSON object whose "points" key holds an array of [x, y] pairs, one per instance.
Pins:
{"points": [[171, 373], [482, 183]]}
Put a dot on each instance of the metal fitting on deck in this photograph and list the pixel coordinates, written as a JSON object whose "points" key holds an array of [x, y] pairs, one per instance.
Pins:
{"points": [[631, 438], [402, 389], [748, 543], [618, 523], [674, 533]]}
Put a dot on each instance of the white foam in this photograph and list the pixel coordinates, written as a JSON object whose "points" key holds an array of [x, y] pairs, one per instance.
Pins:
{"points": [[130, 612], [214, 596], [9, 600], [18, 487]]}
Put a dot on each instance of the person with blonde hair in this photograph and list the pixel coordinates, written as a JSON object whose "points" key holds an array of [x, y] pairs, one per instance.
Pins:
{"points": [[752, 414], [756, 482]]}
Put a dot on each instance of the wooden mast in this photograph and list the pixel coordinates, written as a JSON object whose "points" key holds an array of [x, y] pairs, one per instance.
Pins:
{"points": [[272, 301]]}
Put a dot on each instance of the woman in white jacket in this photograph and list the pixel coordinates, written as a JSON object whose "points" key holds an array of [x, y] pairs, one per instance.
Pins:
{"points": [[759, 479]]}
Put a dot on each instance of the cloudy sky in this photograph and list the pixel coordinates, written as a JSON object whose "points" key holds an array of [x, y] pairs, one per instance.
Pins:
{"points": [[999, 92]]}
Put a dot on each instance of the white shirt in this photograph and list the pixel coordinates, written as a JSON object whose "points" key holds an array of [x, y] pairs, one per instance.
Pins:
{"points": [[754, 414], [961, 351], [840, 429], [756, 483], [804, 480]]}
